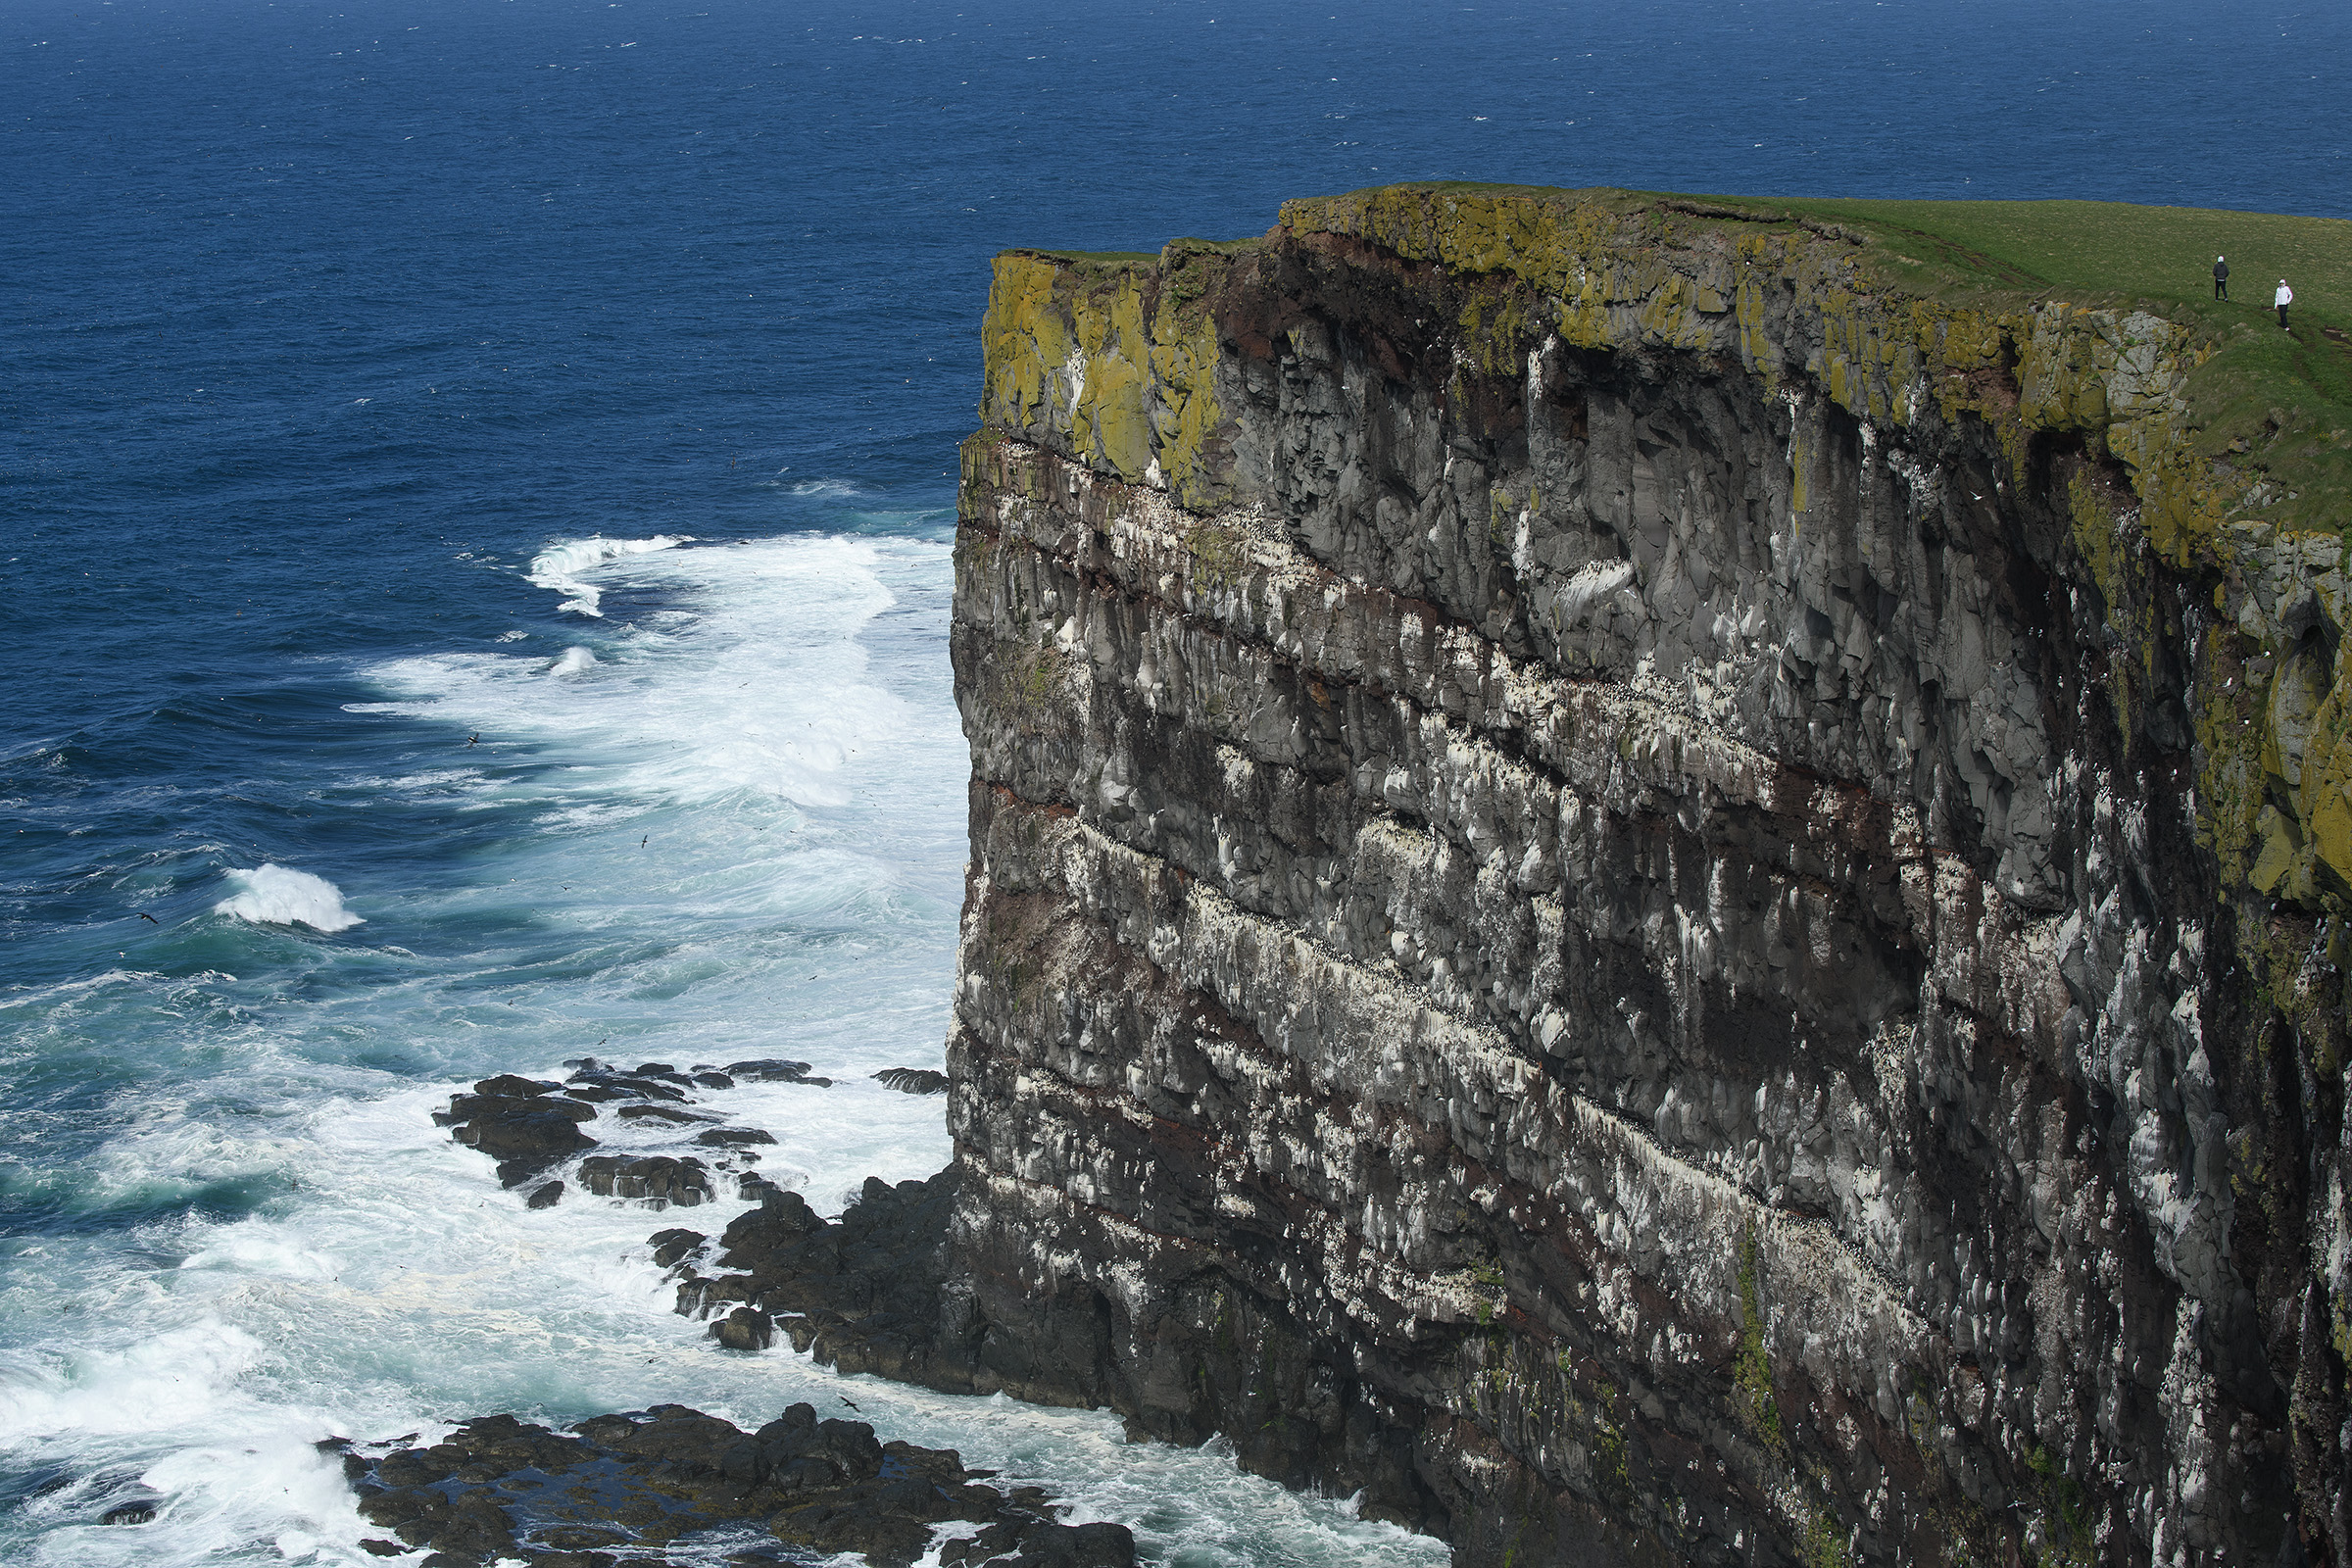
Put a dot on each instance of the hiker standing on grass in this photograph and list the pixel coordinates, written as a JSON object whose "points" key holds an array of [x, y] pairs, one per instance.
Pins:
{"points": [[2283, 299], [2220, 277]]}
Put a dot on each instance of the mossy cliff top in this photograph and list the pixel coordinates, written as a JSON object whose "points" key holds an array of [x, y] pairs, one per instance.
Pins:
{"points": [[2277, 403], [2219, 448]]}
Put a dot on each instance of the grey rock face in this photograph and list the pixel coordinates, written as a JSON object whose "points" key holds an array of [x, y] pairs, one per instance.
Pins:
{"points": [[1607, 942]]}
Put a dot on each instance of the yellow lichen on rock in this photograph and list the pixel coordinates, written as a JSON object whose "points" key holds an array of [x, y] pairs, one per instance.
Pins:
{"points": [[1182, 362], [1117, 362], [1101, 358], [2325, 800], [1022, 339]]}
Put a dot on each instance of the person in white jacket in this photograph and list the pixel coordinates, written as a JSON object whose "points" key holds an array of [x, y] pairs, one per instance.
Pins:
{"points": [[2283, 299]]}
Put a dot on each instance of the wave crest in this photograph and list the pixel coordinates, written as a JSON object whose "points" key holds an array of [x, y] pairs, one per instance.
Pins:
{"points": [[557, 567], [277, 895]]}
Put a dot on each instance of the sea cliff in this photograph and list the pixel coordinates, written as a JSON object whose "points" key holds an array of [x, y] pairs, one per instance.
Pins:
{"points": [[1661, 881]]}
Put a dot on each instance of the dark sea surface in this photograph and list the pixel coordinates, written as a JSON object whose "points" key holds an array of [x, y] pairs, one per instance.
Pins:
{"points": [[475, 483]]}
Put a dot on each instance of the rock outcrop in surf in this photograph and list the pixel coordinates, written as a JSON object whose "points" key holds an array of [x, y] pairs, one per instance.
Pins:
{"points": [[863, 1293], [621, 1489]]}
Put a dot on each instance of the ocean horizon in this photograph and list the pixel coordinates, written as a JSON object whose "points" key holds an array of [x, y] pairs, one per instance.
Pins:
{"points": [[478, 490]]}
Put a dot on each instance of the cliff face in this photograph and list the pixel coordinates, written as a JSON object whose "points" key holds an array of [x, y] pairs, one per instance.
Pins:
{"points": [[1648, 899]]}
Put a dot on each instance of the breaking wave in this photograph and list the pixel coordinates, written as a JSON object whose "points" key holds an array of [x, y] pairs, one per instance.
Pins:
{"points": [[278, 894], [559, 566]]}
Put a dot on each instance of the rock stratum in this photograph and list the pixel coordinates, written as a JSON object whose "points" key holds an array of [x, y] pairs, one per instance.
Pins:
{"points": [[1647, 896]]}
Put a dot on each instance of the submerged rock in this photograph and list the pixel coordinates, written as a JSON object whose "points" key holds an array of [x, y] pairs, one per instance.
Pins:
{"points": [[775, 1070], [669, 1114], [912, 1080], [733, 1137], [501, 1489]]}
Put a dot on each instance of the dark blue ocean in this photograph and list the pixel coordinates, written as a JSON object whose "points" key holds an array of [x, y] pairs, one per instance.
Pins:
{"points": [[475, 483]]}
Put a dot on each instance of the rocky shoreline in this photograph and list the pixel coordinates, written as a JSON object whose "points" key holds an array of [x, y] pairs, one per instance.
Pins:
{"points": [[862, 1293], [1633, 893], [615, 1490]]}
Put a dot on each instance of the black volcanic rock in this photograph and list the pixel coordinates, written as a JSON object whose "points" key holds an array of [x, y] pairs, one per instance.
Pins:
{"points": [[745, 1329], [772, 1070], [733, 1137], [499, 1488], [912, 1080], [864, 1291], [522, 1123], [672, 1244], [660, 1177], [661, 1113], [507, 1083], [1653, 894], [596, 1080]]}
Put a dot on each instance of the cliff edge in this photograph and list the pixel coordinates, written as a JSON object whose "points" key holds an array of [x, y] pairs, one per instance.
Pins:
{"points": [[1664, 881]]}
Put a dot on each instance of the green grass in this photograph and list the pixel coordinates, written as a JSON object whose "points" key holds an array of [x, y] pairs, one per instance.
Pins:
{"points": [[2275, 405], [2275, 402], [1095, 266]]}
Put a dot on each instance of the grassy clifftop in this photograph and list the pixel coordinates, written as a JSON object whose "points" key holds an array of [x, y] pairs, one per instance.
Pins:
{"points": [[2286, 397], [2273, 405], [2220, 447]]}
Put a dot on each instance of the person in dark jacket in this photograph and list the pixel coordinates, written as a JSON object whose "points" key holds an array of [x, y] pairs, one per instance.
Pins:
{"points": [[2220, 277]]}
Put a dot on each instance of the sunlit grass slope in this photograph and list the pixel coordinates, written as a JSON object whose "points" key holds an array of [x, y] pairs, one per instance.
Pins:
{"points": [[2284, 400]]}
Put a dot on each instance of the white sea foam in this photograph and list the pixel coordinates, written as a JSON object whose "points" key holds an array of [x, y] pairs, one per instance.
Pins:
{"points": [[278, 894], [559, 567], [406, 1290], [761, 685], [743, 836], [576, 662]]}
